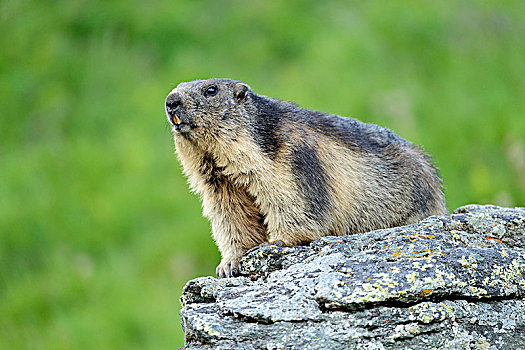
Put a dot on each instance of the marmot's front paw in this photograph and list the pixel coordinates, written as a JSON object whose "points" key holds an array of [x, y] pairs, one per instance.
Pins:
{"points": [[228, 268]]}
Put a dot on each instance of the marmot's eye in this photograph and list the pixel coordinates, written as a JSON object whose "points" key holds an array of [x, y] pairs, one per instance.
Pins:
{"points": [[211, 91]]}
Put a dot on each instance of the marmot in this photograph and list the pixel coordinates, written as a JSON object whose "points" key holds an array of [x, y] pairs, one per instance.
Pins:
{"points": [[270, 171]]}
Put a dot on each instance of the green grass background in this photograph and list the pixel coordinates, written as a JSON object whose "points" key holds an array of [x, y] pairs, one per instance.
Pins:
{"points": [[98, 231]]}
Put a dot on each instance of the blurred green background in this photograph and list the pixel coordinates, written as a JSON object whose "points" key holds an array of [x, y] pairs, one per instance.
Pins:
{"points": [[98, 231]]}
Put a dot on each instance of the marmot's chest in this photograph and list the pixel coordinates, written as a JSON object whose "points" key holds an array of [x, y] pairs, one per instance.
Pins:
{"points": [[217, 174]]}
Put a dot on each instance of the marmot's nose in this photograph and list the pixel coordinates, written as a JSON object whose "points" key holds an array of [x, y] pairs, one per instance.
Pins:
{"points": [[173, 104]]}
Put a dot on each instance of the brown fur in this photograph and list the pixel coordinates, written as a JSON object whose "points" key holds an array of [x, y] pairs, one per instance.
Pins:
{"points": [[268, 170]]}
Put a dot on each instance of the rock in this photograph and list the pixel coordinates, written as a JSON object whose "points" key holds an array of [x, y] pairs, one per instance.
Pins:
{"points": [[448, 282]]}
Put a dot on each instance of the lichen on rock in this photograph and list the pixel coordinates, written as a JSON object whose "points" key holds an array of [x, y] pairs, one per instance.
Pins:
{"points": [[449, 282]]}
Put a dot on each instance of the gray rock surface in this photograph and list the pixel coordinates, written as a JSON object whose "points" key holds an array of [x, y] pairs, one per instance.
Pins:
{"points": [[449, 282]]}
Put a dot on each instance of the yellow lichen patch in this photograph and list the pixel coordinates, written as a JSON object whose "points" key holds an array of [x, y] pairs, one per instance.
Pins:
{"points": [[428, 280], [472, 262], [411, 277], [426, 291], [206, 327], [417, 236], [398, 253], [426, 253], [477, 291], [450, 311], [426, 318], [394, 270], [463, 261]]}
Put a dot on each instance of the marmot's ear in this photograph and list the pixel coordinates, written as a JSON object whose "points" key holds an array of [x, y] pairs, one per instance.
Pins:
{"points": [[240, 90]]}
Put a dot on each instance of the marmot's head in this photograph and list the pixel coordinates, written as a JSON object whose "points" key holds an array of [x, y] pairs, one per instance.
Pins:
{"points": [[202, 109]]}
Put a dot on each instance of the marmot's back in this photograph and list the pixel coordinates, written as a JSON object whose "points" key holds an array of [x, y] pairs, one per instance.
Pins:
{"points": [[271, 171], [356, 176]]}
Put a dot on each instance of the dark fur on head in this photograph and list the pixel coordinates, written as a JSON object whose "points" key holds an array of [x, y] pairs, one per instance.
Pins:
{"points": [[269, 170]]}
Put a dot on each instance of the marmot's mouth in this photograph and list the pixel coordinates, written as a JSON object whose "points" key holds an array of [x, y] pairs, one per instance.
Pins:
{"points": [[175, 119], [180, 123], [181, 126]]}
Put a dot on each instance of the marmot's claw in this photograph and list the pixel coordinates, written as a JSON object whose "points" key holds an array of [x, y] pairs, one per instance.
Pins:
{"points": [[228, 268], [278, 243], [235, 270]]}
